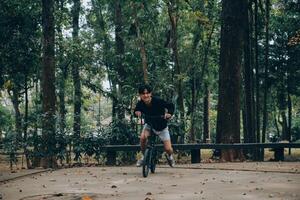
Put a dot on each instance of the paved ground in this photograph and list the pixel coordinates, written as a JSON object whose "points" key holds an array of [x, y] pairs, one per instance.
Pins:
{"points": [[232, 181]]}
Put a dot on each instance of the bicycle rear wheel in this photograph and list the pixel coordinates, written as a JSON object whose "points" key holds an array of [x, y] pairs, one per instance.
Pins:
{"points": [[147, 159]]}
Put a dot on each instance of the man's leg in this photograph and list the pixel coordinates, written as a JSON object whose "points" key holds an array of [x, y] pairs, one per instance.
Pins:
{"points": [[168, 147], [169, 151], [143, 139], [143, 142], [165, 137]]}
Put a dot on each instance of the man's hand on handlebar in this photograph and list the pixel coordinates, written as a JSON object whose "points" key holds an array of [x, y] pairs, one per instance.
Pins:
{"points": [[167, 116], [138, 113]]}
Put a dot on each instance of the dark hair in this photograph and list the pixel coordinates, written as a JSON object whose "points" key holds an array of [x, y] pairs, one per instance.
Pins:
{"points": [[144, 87]]}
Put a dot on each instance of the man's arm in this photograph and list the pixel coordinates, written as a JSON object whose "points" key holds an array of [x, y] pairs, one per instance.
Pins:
{"points": [[138, 110], [169, 108]]}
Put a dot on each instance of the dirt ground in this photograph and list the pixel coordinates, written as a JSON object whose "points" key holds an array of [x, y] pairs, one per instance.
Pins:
{"points": [[234, 181]]}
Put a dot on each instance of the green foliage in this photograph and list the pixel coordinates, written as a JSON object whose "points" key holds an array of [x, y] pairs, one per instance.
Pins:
{"points": [[5, 119], [120, 132], [9, 141], [95, 53], [284, 56], [11, 146], [19, 40], [62, 141]]}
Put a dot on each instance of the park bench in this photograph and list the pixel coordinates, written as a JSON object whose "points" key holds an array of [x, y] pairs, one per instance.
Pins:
{"points": [[195, 149]]}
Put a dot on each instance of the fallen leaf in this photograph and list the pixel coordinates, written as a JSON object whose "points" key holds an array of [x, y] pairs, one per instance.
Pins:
{"points": [[86, 198]]}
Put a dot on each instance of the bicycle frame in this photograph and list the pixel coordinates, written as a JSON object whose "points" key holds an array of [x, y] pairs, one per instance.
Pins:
{"points": [[150, 155]]}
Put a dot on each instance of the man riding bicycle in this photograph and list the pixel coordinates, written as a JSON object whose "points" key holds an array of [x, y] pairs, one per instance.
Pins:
{"points": [[152, 107]]}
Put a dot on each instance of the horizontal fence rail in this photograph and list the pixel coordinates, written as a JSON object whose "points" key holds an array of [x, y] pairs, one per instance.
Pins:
{"points": [[195, 148], [191, 146]]}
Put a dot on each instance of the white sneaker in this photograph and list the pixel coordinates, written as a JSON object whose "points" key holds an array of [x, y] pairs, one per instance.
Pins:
{"points": [[170, 160], [140, 162]]}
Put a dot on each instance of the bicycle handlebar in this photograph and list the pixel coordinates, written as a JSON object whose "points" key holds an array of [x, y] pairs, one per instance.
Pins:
{"points": [[152, 116]]}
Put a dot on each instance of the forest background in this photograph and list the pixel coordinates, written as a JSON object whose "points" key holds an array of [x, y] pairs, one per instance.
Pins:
{"points": [[70, 70]]}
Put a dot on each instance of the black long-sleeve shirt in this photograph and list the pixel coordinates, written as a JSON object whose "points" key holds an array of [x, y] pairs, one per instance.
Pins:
{"points": [[153, 112]]}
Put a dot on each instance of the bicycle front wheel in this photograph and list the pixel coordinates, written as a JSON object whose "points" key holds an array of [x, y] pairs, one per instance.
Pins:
{"points": [[153, 161], [146, 163]]}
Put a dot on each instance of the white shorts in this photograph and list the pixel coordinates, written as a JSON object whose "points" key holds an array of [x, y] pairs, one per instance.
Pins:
{"points": [[164, 134]]}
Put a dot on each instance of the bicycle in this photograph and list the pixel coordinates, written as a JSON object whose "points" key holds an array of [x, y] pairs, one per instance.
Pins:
{"points": [[150, 155]]}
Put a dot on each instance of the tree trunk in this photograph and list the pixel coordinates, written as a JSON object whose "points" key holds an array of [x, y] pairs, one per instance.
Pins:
{"points": [[18, 118], [276, 126], [282, 102], [48, 86], [63, 74], [194, 88], [141, 43], [232, 36], [257, 81], [97, 6], [76, 81], [197, 80], [193, 109], [36, 147], [249, 109], [289, 117], [25, 126], [252, 77], [206, 107], [206, 101], [63, 71], [284, 134], [173, 16], [258, 136], [120, 49], [99, 114], [265, 110]]}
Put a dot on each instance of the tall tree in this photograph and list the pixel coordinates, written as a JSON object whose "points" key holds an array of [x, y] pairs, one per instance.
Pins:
{"points": [[76, 79], [20, 54], [119, 63], [195, 81], [284, 52], [62, 75], [265, 109], [206, 98], [232, 37], [206, 108], [257, 76], [249, 135], [140, 39], [62, 67], [173, 17], [14, 93], [48, 85]]}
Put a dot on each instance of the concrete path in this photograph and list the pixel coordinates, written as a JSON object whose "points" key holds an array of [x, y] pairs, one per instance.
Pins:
{"points": [[232, 181]]}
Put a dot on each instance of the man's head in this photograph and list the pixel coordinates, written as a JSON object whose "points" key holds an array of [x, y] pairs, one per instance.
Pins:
{"points": [[145, 92]]}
